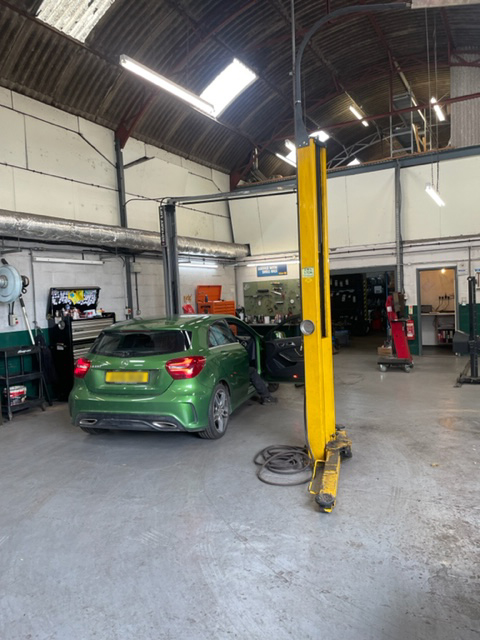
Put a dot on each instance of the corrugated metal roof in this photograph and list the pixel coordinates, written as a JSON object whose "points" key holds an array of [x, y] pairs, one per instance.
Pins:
{"points": [[190, 42]]}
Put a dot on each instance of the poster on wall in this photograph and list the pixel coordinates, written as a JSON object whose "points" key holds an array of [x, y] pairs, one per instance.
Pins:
{"points": [[272, 270]]}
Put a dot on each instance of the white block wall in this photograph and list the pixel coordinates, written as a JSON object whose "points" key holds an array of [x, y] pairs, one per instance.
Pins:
{"points": [[56, 164]]}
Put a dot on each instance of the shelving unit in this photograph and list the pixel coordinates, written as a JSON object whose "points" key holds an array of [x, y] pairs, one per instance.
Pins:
{"points": [[349, 302], [16, 371], [438, 328]]}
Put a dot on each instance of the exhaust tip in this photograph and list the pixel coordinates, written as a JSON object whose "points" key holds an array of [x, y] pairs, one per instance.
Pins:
{"points": [[88, 422]]}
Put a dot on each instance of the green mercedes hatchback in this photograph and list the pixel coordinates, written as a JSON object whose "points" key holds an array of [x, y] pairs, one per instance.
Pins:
{"points": [[186, 373]]}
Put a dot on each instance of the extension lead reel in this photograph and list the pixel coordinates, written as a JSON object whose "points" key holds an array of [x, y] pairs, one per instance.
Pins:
{"points": [[12, 288]]}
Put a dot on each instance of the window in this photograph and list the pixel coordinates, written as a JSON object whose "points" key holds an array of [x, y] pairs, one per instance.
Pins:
{"points": [[77, 19], [141, 343], [220, 334], [229, 83]]}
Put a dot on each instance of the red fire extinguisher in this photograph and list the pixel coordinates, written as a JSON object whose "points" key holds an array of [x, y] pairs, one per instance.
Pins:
{"points": [[410, 329]]}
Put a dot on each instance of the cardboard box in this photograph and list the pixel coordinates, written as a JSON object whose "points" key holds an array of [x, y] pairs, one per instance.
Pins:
{"points": [[384, 351]]}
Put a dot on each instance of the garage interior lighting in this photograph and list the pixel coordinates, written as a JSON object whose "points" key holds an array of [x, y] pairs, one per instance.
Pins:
{"points": [[358, 115], [433, 193], [438, 110], [288, 159], [76, 19], [167, 85], [271, 264], [222, 91], [354, 162], [320, 135], [67, 260], [199, 265]]}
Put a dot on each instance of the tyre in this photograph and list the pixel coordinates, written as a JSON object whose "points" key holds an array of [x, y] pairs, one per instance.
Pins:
{"points": [[218, 414], [273, 386], [408, 368], [383, 367], [92, 431]]}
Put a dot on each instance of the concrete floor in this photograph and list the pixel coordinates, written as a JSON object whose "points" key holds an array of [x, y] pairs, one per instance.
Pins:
{"points": [[164, 536]]}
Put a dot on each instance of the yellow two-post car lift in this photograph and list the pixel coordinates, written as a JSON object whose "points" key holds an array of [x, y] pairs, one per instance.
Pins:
{"points": [[327, 443]]}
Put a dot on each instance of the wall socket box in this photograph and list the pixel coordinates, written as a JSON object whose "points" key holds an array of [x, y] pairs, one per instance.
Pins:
{"points": [[12, 320]]}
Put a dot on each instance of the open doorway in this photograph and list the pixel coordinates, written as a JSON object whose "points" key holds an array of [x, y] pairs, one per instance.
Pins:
{"points": [[437, 303]]}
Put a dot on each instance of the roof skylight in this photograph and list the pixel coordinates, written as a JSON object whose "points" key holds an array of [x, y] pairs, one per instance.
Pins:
{"points": [[76, 19], [229, 84]]}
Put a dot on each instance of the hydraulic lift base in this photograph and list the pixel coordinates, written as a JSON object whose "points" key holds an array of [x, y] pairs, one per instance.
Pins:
{"points": [[326, 472]]}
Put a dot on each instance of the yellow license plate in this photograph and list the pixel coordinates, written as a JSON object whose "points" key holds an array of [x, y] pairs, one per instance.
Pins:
{"points": [[126, 377]]}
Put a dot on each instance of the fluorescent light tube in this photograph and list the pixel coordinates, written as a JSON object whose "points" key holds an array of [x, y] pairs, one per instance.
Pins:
{"points": [[358, 115], [355, 112], [287, 159], [290, 146], [199, 265], [67, 260], [320, 135], [271, 264], [433, 193], [438, 110], [167, 85], [354, 162]]}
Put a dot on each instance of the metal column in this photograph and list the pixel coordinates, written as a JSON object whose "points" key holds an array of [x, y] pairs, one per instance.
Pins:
{"points": [[168, 236], [123, 222]]}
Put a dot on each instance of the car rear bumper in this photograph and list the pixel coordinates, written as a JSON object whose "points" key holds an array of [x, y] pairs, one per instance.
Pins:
{"points": [[129, 422]]}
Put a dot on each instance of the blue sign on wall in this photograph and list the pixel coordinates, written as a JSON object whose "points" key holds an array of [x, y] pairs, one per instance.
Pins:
{"points": [[272, 270]]}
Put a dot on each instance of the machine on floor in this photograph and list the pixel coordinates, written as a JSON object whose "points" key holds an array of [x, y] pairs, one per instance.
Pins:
{"points": [[402, 330]]}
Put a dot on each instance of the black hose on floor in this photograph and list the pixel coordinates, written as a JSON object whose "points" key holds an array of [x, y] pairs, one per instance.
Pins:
{"points": [[283, 460]]}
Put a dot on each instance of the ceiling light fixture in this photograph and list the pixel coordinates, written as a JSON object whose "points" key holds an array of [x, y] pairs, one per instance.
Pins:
{"points": [[353, 163], [433, 193], [271, 264], [320, 135], [199, 265], [290, 146], [67, 260], [167, 85], [287, 159], [438, 110], [358, 115]]}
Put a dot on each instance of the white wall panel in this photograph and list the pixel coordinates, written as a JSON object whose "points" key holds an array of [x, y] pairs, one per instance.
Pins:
{"points": [[458, 186], [7, 188], [246, 223], [278, 221], [44, 111], [44, 195], [100, 137], [64, 153], [94, 205], [338, 231], [370, 207], [5, 97], [12, 147]]}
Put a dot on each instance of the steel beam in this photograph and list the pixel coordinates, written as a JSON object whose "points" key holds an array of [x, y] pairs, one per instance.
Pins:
{"points": [[168, 238], [122, 207]]}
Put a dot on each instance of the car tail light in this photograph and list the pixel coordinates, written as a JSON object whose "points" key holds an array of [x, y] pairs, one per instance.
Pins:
{"points": [[185, 368], [82, 367]]}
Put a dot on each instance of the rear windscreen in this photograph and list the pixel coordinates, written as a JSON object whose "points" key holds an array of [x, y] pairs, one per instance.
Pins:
{"points": [[141, 343]]}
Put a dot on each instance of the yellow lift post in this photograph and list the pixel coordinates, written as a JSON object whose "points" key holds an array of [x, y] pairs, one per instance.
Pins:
{"points": [[326, 442]]}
